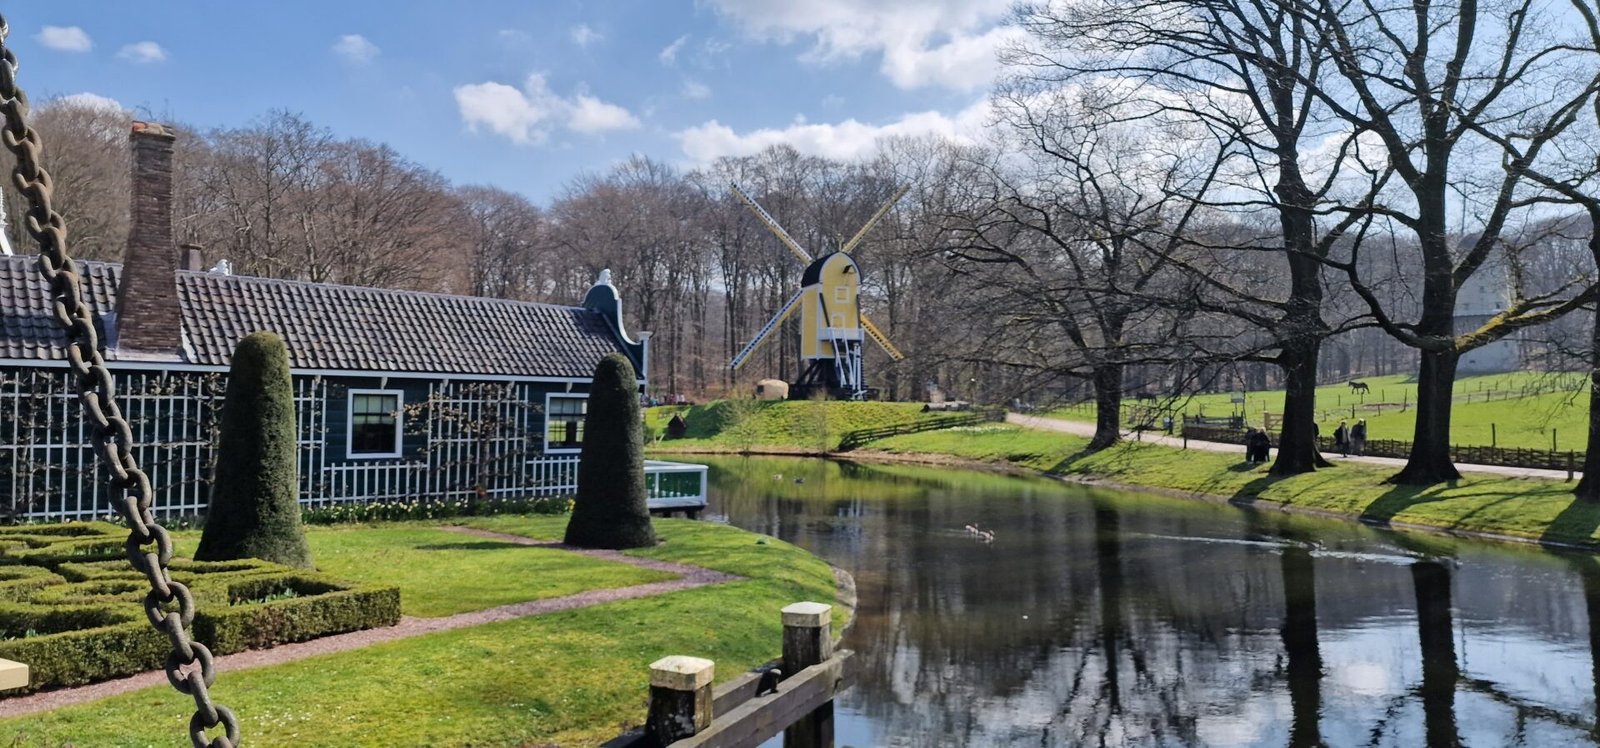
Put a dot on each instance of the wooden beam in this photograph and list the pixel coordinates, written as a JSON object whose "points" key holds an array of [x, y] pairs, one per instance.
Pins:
{"points": [[13, 675], [763, 717]]}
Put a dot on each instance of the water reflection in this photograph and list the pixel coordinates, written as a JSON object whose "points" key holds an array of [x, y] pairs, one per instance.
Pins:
{"points": [[1100, 618]]}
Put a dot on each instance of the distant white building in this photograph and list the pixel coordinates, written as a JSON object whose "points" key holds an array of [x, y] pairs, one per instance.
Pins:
{"points": [[1487, 293]]}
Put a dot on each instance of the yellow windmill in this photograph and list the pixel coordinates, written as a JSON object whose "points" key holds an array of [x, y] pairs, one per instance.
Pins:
{"points": [[831, 323]]}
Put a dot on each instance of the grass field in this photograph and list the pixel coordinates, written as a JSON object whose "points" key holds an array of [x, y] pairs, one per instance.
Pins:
{"points": [[482, 573], [571, 678], [1533, 509], [1521, 409], [777, 425]]}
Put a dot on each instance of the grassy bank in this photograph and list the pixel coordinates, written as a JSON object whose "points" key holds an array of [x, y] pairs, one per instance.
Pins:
{"points": [[571, 678], [781, 426], [1525, 508], [1522, 409]]}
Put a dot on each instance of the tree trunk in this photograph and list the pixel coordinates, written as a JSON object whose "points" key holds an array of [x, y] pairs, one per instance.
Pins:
{"points": [[1440, 672], [1298, 451], [1429, 462], [1588, 489], [1108, 406]]}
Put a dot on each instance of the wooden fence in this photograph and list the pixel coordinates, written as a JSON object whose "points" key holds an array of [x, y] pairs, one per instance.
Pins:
{"points": [[854, 439], [1543, 459]]}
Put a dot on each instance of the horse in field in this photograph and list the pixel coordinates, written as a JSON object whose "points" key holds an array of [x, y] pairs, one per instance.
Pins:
{"points": [[1359, 387]]}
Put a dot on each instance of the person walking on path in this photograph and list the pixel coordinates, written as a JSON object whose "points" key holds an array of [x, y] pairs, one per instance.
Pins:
{"points": [[1341, 439], [1358, 438]]}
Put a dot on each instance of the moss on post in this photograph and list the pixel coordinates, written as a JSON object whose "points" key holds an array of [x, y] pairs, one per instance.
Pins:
{"points": [[611, 509], [255, 512]]}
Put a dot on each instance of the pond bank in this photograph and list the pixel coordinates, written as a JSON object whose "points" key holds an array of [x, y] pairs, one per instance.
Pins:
{"points": [[1493, 507]]}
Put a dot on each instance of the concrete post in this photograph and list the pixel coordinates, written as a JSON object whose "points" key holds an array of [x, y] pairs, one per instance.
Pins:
{"points": [[680, 698], [807, 641], [13, 675]]}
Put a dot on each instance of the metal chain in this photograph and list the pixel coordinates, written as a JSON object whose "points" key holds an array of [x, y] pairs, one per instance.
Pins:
{"points": [[169, 605]]}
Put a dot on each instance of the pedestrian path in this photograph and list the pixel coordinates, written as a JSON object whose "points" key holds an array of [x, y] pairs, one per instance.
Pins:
{"points": [[1087, 429], [409, 626]]}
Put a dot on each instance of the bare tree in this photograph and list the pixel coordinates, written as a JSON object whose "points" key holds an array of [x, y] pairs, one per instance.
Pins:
{"points": [[1459, 100]]}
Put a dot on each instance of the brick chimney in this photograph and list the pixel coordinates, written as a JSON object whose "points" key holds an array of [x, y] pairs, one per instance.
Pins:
{"points": [[148, 319]]}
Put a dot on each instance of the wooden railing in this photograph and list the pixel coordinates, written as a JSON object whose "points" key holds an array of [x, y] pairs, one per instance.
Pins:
{"points": [[854, 439], [794, 698], [1542, 459]]}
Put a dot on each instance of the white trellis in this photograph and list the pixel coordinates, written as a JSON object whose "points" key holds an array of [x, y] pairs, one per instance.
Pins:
{"points": [[474, 439]]}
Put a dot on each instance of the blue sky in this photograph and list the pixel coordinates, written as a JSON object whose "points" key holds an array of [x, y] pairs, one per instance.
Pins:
{"points": [[527, 95]]}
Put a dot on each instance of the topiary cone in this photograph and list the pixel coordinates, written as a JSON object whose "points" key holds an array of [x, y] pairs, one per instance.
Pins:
{"points": [[611, 509], [255, 508]]}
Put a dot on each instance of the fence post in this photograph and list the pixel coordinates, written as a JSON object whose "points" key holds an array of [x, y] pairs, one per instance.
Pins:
{"points": [[680, 698], [807, 641], [1494, 437], [1569, 465]]}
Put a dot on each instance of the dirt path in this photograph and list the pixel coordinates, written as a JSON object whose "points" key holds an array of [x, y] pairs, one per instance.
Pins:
{"points": [[409, 626], [1087, 429]]}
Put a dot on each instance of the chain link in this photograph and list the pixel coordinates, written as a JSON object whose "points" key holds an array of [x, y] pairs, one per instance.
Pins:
{"points": [[189, 666]]}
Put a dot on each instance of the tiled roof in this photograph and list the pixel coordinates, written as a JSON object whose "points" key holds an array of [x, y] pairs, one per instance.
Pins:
{"points": [[28, 328], [332, 327]]}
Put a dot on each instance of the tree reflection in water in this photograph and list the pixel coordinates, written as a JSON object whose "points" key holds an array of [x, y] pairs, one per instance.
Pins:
{"points": [[1100, 618]]}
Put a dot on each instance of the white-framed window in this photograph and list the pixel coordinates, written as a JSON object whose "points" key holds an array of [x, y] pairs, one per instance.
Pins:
{"points": [[375, 423], [841, 294], [563, 422]]}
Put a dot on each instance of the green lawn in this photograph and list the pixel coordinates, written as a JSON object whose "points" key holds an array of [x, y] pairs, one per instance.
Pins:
{"points": [[1524, 408], [1525, 508], [571, 678], [440, 573], [778, 425]]}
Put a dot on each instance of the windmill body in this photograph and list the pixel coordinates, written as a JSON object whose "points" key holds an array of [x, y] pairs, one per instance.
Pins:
{"points": [[832, 327]]}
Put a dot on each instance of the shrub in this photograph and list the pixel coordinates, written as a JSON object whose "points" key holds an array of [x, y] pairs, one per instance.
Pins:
{"points": [[71, 646], [611, 509], [254, 512], [384, 511], [318, 607], [18, 581]]}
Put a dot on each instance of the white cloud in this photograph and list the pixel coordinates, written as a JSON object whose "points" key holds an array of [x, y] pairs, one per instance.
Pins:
{"points": [[583, 36], [669, 55], [65, 39], [845, 140], [527, 115], [694, 89], [922, 43], [143, 52], [88, 100], [590, 115], [356, 48]]}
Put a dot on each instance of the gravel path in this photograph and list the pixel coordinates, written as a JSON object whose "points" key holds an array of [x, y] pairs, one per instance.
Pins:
{"points": [[409, 626], [1087, 429]]}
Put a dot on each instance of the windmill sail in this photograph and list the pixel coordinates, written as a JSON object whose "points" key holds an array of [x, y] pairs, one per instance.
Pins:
{"points": [[772, 225], [881, 339], [873, 221], [772, 324]]}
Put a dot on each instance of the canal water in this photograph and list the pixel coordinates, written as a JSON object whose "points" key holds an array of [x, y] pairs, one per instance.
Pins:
{"points": [[1097, 617]]}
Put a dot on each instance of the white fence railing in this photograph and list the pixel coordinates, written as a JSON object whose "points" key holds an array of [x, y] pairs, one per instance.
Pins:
{"points": [[465, 439]]}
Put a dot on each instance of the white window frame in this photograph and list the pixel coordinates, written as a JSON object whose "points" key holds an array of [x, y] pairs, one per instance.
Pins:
{"points": [[350, 424], [545, 434], [841, 294]]}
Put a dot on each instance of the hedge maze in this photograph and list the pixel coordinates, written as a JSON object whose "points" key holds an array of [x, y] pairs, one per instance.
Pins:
{"points": [[71, 607]]}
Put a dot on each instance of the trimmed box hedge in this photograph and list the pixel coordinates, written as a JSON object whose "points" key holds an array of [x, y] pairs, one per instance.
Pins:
{"points": [[71, 646], [321, 607], [18, 581], [71, 607]]}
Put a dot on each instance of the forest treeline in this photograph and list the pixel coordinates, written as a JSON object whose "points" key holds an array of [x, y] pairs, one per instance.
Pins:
{"points": [[1171, 195]]}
